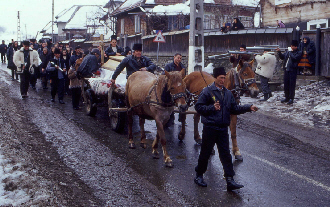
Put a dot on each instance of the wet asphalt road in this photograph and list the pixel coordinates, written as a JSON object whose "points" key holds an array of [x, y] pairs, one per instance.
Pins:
{"points": [[284, 164]]}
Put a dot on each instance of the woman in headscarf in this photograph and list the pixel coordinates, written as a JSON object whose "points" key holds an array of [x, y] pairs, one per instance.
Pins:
{"points": [[237, 25], [280, 24], [306, 64]]}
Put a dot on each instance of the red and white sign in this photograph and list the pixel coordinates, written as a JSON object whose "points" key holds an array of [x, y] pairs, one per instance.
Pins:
{"points": [[159, 38]]}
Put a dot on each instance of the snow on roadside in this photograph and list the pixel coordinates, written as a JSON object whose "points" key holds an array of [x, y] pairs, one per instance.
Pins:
{"points": [[311, 106]]}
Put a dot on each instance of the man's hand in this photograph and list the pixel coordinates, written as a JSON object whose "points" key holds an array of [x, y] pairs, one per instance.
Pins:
{"points": [[254, 108], [118, 54], [56, 66], [217, 106], [278, 49], [113, 81], [143, 69], [64, 70]]}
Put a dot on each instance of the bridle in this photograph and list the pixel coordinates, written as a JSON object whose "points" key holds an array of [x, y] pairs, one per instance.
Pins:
{"points": [[240, 83]]}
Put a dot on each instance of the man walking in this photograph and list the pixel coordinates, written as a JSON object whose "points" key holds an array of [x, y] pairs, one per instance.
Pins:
{"points": [[3, 51], [290, 66], [25, 59], [215, 105], [57, 68], [265, 69]]}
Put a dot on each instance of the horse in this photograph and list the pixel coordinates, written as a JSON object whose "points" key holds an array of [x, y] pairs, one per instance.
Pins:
{"points": [[152, 97], [241, 77]]}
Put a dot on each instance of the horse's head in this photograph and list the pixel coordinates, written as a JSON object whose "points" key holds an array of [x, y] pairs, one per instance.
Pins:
{"points": [[78, 63], [247, 78], [177, 88]]}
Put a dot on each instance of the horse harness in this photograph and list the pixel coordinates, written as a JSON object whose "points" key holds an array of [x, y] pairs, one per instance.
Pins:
{"points": [[157, 102]]}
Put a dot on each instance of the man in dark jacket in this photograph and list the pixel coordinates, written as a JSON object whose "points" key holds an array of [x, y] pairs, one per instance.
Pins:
{"points": [[176, 65], [215, 105], [90, 64], [290, 66], [10, 55], [56, 67], [114, 49], [133, 63], [75, 56], [44, 57], [235, 58], [3, 51]]}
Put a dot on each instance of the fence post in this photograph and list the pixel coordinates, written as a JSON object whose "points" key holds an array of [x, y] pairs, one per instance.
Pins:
{"points": [[318, 51]]}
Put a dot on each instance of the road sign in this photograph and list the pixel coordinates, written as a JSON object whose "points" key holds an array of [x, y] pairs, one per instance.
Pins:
{"points": [[159, 38]]}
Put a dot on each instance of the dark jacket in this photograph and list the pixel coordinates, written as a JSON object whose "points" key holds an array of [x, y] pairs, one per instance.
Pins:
{"points": [[293, 57], [238, 25], [172, 67], [10, 56], [88, 66], [228, 105], [109, 51], [310, 49], [53, 72], [73, 59], [67, 60], [132, 66], [3, 48], [44, 60]]}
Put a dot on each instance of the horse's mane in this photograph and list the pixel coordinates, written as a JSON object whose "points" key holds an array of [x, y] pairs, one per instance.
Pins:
{"points": [[230, 79]]}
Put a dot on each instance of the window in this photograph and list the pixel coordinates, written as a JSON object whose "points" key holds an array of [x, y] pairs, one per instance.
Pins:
{"points": [[122, 26], [279, 2], [137, 24], [312, 25]]}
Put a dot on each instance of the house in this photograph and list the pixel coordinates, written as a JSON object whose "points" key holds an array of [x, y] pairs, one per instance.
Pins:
{"points": [[46, 32], [303, 13], [109, 21], [80, 21]]}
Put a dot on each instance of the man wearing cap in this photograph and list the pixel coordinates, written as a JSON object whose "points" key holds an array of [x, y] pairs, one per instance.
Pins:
{"points": [[290, 66], [265, 69], [114, 49], [57, 68], [25, 59], [215, 104], [90, 63], [133, 63], [75, 56]]}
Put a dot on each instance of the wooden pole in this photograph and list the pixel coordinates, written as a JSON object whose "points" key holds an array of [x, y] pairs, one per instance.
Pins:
{"points": [[102, 49]]}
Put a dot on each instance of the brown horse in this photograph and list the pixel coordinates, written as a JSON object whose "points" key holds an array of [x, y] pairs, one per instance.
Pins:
{"points": [[152, 97], [245, 79]]}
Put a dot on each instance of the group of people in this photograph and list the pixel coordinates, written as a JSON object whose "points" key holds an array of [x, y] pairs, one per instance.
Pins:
{"points": [[237, 25]]}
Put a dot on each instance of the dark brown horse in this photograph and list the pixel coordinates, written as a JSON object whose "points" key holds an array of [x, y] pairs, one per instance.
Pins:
{"points": [[152, 97], [241, 76]]}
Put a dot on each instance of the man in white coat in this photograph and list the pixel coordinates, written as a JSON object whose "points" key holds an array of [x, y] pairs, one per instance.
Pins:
{"points": [[265, 69], [25, 60]]}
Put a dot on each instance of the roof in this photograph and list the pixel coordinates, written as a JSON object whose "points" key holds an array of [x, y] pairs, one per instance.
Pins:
{"points": [[172, 9], [127, 6], [108, 5], [48, 29]]}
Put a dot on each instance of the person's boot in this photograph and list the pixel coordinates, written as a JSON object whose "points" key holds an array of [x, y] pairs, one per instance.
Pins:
{"points": [[200, 181], [290, 102], [284, 100], [266, 97], [270, 95], [232, 185]]}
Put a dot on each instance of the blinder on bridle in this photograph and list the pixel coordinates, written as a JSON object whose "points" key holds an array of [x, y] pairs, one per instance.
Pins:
{"points": [[245, 82]]}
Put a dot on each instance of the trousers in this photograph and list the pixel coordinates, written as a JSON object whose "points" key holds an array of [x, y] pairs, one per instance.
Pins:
{"points": [[290, 79], [210, 137], [57, 86]]}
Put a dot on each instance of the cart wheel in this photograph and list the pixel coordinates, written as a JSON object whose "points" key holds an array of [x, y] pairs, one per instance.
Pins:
{"points": [[90, 103], [117, 119]]}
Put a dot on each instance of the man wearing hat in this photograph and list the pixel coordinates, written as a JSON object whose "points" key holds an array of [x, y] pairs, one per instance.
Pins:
{"points": [[57, 68], [215, 104], [133, 63], [290, 66], [114, 49], [25, 60], [265, 69], [90, 63]]}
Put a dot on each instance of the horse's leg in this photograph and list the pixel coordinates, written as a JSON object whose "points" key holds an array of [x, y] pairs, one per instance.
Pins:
{"points": [[131, 144], [183, 127], [155, 153], [161, 135], [143, 133], [197, 138], [236, 152]]}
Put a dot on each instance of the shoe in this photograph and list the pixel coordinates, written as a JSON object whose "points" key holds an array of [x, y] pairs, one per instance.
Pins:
{"points": [[12, 79], [45, 88], [200, 181], [232, 185], [290, 102], [25, 96], [266, 97], [76, 108], [61, 102], [284, 100], [52, 100]]}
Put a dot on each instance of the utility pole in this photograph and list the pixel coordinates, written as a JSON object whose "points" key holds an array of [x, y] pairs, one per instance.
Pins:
{"points": [[196, 36], [53, 20], [18, 28], [25, 32]]}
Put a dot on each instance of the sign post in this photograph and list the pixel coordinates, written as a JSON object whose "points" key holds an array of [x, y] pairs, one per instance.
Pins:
{"points": [[159, 38]]}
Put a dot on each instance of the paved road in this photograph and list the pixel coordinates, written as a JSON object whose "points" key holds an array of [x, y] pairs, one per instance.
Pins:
{"points": [[284, 164]]}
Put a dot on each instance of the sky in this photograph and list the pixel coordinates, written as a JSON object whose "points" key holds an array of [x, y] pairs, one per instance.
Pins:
{"points": [[35, 14]]}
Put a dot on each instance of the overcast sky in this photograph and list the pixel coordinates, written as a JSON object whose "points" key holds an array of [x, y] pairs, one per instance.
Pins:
{"points": [[35, 14]]}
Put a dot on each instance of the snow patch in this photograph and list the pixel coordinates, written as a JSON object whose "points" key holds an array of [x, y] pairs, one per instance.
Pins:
{"points": [[209, 68]]}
